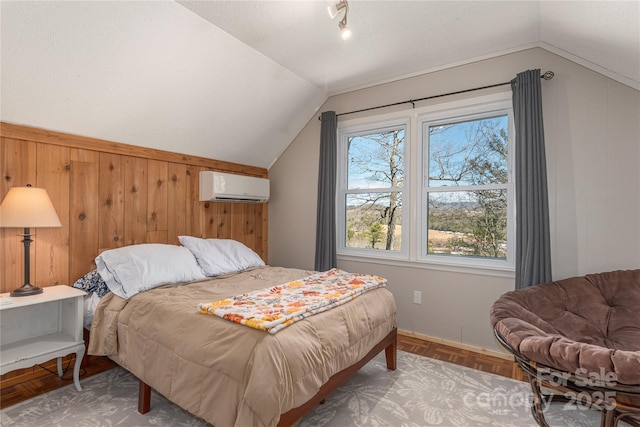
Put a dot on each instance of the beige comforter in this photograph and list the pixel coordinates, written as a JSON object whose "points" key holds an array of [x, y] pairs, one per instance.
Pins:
{"points": [[230, 374]]}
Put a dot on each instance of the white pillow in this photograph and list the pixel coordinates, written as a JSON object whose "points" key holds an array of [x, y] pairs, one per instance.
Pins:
{"points": [[133, 269], [221, 256]]}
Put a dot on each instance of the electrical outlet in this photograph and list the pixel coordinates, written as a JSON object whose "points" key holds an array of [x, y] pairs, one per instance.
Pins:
{"points": [[417, 297]]}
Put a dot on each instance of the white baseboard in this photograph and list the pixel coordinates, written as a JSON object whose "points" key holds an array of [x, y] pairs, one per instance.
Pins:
{"points": [[494, 353]]}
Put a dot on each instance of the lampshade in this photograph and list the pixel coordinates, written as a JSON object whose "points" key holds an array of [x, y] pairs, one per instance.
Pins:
{"points": [[25, 207]]}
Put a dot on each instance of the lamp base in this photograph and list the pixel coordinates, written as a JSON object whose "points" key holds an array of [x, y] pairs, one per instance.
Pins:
{"points": [[26, 290]]}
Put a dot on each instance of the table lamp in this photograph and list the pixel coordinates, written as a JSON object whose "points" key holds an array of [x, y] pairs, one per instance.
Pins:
{"points": [[26, 207]]}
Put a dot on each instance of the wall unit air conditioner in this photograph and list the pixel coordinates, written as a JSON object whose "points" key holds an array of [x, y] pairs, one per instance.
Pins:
{"points": [[227, 187]]}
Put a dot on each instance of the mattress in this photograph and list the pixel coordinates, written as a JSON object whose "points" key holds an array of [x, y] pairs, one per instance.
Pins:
{"points": [[230, 374]]}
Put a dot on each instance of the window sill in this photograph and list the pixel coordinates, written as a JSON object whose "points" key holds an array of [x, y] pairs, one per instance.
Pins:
{"points": [[440, 265]]}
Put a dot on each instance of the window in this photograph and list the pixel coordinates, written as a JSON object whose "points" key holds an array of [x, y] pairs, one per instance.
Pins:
{"points": [[372, 180], [467, 187], [441, 195]]}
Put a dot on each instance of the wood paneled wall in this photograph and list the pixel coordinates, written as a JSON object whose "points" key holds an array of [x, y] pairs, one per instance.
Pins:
{"points": [[109, 195]]}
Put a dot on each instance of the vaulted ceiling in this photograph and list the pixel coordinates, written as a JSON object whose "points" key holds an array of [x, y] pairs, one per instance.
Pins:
{"points": [[237, 80]]}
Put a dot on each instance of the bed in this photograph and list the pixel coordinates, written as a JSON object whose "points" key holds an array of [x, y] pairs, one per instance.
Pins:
{"points": [[230, 374]]}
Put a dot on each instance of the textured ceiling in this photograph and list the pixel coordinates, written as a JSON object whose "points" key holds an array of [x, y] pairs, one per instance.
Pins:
{"points": [[397, 38], [237, 80]]}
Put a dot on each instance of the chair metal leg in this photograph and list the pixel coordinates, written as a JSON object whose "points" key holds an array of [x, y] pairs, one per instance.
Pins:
{"points": [[536, 409]]}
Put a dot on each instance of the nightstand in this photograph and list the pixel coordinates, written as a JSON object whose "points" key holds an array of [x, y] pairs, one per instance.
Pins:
{"points": [[37, 328]]}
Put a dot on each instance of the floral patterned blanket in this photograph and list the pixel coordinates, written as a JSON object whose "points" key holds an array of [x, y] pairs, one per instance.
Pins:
{"points": [[275, 308]]}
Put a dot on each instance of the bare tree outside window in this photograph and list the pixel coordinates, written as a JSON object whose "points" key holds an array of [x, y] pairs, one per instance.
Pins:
{"points": [[375, 177], [467, 188]]}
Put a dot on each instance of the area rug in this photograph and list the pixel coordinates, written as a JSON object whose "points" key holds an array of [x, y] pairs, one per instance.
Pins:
{"points": [[421, 392]]}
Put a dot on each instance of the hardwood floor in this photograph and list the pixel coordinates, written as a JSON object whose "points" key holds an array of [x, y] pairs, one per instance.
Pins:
{"points": [[42, 379], [470, 359], [13, 389]]}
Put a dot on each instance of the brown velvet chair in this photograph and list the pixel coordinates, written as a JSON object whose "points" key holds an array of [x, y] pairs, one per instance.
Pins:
{"points": [[580, 338]]}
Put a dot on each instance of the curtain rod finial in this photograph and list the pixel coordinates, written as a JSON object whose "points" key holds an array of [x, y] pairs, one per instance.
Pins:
{"points": [[548, 75]]}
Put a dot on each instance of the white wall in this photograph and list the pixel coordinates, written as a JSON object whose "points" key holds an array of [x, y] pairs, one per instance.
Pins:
{"points": [[148, 73], [592, 131]]}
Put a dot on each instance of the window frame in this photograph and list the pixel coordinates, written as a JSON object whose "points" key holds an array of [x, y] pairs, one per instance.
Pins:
{"points": [[342, 190], [414, 242], [457, 115]]}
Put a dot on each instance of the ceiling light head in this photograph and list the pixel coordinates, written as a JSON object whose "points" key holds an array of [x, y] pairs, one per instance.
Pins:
{"points": [[334, 9], [345, 32]]}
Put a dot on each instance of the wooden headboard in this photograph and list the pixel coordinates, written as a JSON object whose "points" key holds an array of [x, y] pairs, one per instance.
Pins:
{"points": [[109, 195]]}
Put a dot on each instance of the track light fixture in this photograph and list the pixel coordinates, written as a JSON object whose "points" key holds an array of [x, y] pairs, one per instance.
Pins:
{"points": [[334, 9]]}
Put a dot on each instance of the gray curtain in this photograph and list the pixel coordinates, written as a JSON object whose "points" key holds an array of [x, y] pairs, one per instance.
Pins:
{"points": [[326, 217], [533, 253]]}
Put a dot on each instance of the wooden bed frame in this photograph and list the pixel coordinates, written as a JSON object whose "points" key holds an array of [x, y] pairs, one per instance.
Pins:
{"points": [[388, 343]]}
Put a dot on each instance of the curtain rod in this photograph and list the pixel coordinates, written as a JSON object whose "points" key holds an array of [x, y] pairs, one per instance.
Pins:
{"points": [[547, 76]]}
